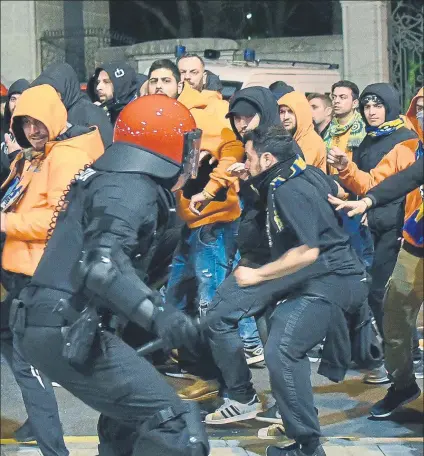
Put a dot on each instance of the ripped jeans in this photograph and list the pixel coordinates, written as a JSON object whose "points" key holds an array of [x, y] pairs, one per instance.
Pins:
{"points": [[202, 261]]}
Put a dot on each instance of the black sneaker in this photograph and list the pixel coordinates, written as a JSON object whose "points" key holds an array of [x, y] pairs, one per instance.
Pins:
{"points": [[272, 415], [175, 371], [293, 450], [418, 368], [395, 399], [254, 355], [315, 354], [24, 434]]}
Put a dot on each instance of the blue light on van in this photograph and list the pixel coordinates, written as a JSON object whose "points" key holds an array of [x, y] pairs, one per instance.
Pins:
{"points": [[249, 55], [180, 50]]}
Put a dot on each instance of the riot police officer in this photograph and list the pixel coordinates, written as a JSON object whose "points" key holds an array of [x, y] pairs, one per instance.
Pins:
{"points": [[110, 218]]}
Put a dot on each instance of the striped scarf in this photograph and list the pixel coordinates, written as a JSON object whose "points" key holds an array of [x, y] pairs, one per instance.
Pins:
{"points": [[356, 127], [386, 128]]}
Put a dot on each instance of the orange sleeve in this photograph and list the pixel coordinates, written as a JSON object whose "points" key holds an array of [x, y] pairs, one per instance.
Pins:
{"points": [[360, 182], [230, 151], [322, 159], [33, 225]]}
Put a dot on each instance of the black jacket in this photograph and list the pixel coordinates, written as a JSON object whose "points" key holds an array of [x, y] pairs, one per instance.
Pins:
{"points": [[398, 185], [252, 240], [372, 150], [125, 84], [62, 77], [213, 82]]}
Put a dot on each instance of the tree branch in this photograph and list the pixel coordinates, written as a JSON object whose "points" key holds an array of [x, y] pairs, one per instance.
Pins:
{"points": [[159, 14]]}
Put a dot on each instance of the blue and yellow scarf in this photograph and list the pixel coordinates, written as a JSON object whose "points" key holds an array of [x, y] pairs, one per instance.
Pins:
{"points": [[386, 128]]}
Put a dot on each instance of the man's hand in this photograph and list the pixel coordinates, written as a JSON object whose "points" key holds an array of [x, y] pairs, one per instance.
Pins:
{"points": [[12, 145], [238, 170], [3, 222], [351, 207], [337, 158], [199, 200], [176, 329], [246, 277]]}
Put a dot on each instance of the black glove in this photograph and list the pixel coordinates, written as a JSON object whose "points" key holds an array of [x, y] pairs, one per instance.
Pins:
{"points": [[176, 329]]}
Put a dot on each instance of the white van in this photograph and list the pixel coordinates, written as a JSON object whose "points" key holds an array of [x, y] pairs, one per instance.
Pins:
{"points": [[306, 77]]}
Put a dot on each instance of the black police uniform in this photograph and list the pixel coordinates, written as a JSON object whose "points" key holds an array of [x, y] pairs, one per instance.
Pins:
{"points": [[111, 215]]}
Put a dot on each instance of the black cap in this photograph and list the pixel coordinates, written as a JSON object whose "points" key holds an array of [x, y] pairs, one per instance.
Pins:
{"points": [[242, 108], [280, 88]]}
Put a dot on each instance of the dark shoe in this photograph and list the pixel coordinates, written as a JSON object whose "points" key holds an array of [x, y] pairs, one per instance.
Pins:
{"points": [[377, 376], [293, 450], [175, 371], [272, 415], [24, 434], [395, 399], [315, 354]]}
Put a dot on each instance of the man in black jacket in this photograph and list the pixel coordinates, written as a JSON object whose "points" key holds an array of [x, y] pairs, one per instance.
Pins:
{"points": [[62, 77], [110, 220], [112, 87], [313, 267], [379, 105]]}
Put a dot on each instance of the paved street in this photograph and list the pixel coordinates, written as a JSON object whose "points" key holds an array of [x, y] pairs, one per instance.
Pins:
{"points": [[343, 412]]}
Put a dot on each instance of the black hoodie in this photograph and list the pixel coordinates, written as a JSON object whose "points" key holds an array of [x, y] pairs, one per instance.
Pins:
{"points": [[18, 86], [62, 77], [252, 239], [125, 84], [372, 150]]}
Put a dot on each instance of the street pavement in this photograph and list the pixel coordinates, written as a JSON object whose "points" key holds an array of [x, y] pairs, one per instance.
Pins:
{"points": [[343, 411]]}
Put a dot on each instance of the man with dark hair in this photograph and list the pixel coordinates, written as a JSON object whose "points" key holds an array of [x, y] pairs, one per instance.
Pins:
{"points": [[347, 129], [164, 78], [280, 88], [322, 112], [315, 271], [112, 87]]}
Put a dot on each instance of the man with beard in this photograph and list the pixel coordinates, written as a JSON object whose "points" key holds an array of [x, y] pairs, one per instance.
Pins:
{"points": [[192, 70], [312, 267]]}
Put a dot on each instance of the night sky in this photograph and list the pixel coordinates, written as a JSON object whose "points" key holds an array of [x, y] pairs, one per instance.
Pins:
{"points": [[233, 19]]}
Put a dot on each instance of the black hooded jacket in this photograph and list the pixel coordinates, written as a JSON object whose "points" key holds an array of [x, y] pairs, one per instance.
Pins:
{"points": [[62, 77], [213, 82], [18, 86], [372, 150], [252, 239], [125, 84]]}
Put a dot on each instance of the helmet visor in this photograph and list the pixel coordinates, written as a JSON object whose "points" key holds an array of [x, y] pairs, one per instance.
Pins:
{"points": [[191, 154]]}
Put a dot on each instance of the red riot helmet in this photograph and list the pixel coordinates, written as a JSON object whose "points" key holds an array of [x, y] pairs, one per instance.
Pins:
{"points": [[165, 131]]}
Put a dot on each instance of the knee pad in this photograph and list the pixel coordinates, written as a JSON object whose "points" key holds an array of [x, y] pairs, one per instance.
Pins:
{"points": [[176, 430]]}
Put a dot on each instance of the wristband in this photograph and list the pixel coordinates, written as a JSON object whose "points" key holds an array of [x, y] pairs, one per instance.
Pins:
{"points": [[207, 195]]}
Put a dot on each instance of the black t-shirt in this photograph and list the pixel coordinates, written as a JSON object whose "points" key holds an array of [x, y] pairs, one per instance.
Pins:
{"points": [[300, 214]]}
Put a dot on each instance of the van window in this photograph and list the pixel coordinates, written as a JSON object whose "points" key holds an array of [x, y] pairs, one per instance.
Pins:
{"points": [[229, 88]]}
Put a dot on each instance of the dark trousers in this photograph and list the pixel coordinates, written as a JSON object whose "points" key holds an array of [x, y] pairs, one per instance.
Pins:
{"points": [[297, 325], [386, 250], [36, 388], [126, 389]]}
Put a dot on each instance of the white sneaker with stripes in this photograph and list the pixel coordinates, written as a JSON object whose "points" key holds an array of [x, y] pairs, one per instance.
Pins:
{"points": [[232, 411]]}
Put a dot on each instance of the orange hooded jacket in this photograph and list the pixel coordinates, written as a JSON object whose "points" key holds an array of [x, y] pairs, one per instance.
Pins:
{"points": [[43, 179], [209, 110], [411, 114], [312, 145], [399, 158]]}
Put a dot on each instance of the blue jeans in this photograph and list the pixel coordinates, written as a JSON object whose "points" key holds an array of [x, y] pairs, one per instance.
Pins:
{"points": [[249, 332], [203, 259]]}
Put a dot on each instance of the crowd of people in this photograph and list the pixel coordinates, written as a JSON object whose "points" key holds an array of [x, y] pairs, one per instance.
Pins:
{"points": [[149, 207]]}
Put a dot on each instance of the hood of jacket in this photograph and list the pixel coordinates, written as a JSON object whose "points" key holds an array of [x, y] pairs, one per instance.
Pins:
{"points": [[62, 77], [192, 98], [41, 103], [17, 87], [298, 103], [124, 80], [213, 82], [411, 113], [265, 103], [388, 94]]}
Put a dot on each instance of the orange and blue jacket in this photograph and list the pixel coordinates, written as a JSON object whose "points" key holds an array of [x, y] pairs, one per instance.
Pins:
{"points": [[42, 178]]}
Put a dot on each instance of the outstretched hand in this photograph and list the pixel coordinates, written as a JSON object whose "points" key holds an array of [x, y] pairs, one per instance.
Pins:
{"points": [[351, 207]]}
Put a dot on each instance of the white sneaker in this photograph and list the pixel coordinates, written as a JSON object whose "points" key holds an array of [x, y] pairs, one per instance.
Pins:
{"points": [[56, 385], [232, 411]]}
